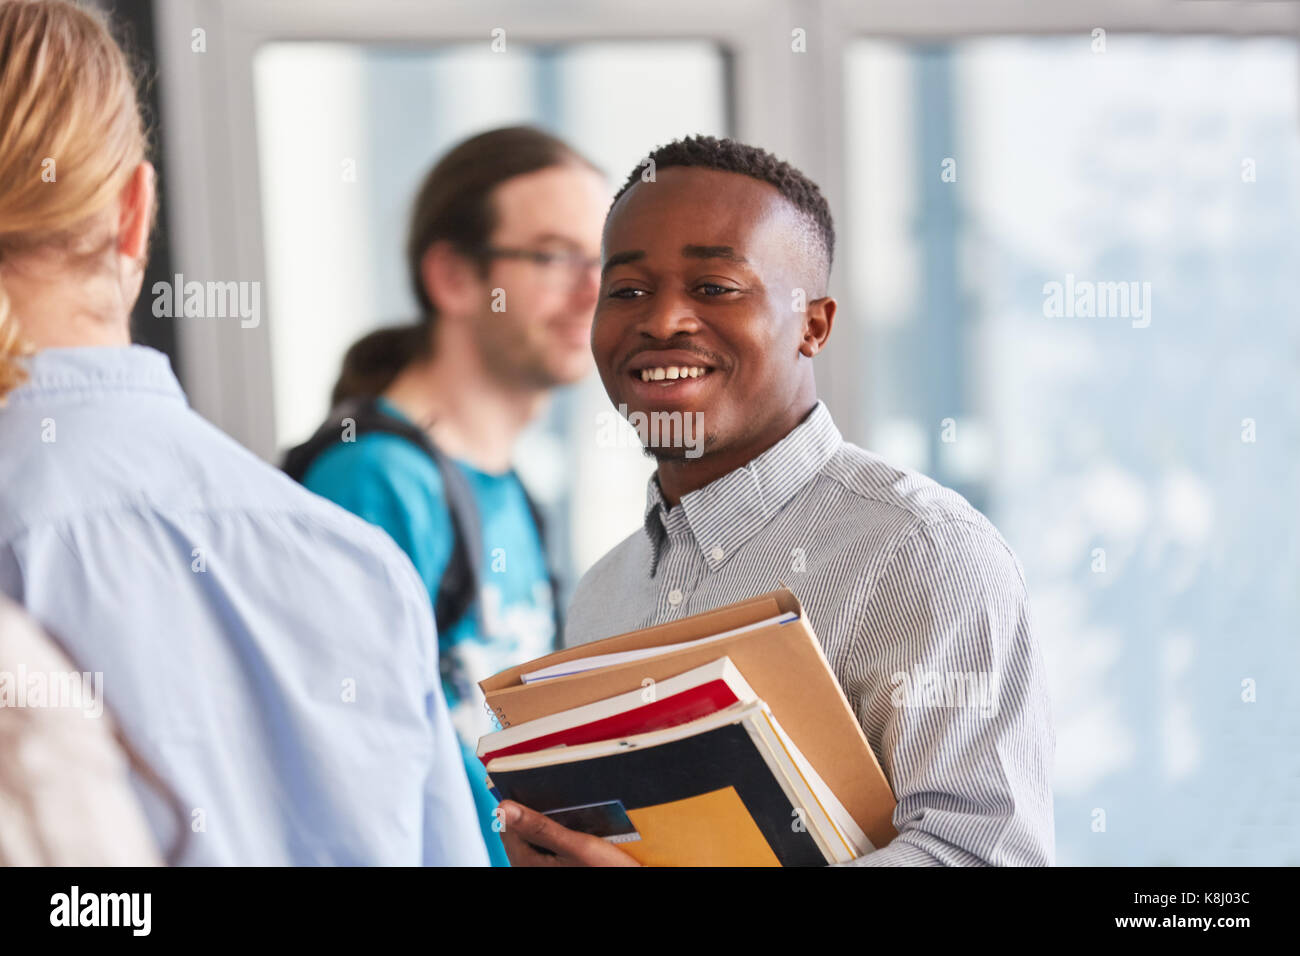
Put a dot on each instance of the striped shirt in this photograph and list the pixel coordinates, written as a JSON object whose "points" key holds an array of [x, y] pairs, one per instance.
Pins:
{"points": [[921, 609]]}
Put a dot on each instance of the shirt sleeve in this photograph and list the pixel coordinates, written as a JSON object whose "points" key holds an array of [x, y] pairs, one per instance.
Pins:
{"points": [[391, 483], [954, 701], [451, 835]]}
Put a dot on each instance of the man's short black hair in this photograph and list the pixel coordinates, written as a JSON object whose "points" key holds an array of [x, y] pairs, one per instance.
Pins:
{"points": [[729, 156]]}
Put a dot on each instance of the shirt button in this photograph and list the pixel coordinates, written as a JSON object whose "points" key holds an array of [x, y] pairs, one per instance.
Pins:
{"points": [[717, 554], [675, 597]]}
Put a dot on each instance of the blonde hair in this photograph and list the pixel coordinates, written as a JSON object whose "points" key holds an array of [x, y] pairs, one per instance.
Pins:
{"points": [[71, 135]]}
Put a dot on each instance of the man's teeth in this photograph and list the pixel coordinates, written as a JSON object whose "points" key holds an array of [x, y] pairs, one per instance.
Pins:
{"points": [[672, 371]]}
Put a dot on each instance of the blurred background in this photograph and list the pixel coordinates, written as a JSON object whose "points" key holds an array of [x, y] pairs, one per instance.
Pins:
{"points": [[1144, 467]]}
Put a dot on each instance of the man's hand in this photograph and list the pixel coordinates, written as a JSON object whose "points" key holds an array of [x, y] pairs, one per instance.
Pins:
{"points": [[526, 830]]}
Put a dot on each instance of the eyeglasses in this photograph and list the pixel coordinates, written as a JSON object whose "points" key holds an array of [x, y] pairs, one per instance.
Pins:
{"points": [[562, 269]]}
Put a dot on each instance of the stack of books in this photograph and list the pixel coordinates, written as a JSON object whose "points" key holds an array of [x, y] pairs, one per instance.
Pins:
{"points": [[721, 739]]}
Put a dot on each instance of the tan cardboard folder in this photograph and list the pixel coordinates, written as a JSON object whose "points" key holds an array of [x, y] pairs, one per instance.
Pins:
{"points": [[784, 664]]}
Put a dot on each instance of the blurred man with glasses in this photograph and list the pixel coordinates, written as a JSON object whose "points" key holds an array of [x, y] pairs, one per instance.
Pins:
{"points": [[503, 256]]}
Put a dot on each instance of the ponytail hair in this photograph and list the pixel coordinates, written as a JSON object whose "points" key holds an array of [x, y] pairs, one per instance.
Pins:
{"points": [[12, 348], [454, 205], [374, 360], [71, 136]]}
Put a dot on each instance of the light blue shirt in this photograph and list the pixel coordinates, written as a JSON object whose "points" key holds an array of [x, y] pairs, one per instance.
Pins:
{"points": [[270, 655]]}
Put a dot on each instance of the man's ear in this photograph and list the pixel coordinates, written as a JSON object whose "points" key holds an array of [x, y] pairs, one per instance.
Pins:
{"points": [[451, 281], [135, 213], [817, 325]]}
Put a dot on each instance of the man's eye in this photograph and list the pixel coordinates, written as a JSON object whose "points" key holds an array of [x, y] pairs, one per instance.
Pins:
{"points": [[628, 293], [713, 289]]}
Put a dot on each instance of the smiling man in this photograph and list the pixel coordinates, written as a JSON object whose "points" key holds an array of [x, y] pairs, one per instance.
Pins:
{"points": [[713, 304]]}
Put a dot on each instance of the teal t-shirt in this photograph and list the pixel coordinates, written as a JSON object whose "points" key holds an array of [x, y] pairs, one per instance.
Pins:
{"points": [[391, 483]]}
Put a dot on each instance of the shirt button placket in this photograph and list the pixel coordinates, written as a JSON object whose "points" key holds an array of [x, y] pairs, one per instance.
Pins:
{"points": [[681, 567], [677, 579]]}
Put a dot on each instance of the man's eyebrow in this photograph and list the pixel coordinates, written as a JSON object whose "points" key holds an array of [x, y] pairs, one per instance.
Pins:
{"points": [[553, 237], [713, 252], [621, 258]]}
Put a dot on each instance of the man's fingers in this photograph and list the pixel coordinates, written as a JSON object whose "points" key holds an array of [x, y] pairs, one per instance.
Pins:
{"points": [[522, 853], [537, 828], [529, 829]]}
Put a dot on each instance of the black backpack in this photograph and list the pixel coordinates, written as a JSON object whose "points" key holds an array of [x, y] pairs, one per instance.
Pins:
{"points": [[460, 581]]}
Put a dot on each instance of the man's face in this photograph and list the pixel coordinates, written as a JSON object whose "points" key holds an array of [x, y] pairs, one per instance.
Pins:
{"points": [[540, 334], [700, 271]]}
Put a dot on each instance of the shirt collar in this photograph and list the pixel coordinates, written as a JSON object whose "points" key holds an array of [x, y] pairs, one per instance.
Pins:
{"points": [[96, 370], [725, 513]]}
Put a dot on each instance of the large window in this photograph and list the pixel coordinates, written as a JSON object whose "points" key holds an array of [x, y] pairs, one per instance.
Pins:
{"points": [[1078, 269]]}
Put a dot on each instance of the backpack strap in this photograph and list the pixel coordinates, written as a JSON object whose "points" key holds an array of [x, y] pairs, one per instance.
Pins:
{"points": [[459, 584], [551, 573]]}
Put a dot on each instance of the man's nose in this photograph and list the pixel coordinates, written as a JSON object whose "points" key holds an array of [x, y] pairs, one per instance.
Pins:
{"points": [[586, 286], [667, 316]]}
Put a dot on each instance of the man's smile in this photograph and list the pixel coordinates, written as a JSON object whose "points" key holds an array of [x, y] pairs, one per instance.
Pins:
{"points": [[672, 372], [675, 376]]}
